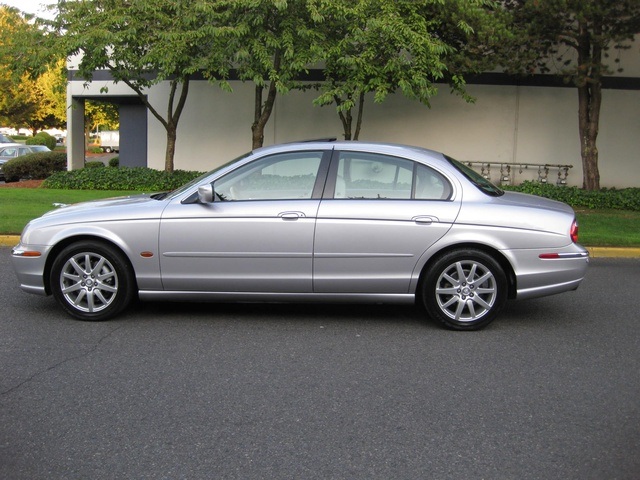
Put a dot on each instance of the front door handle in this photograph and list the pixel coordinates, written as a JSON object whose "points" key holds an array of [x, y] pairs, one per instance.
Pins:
{"points": [[291, 215]]}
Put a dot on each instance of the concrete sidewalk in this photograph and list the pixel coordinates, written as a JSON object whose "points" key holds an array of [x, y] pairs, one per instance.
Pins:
{"points": [[595, 252]]}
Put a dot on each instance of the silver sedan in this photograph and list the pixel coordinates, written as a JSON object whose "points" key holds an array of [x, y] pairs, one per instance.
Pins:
{"points": [[311, 222]]}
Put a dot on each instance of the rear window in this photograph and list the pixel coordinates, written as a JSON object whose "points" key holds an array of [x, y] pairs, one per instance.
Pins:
{"points": [[484, 185]]}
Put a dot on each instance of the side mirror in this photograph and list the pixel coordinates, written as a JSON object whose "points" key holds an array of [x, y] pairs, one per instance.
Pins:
{"points": [[205, 193]]}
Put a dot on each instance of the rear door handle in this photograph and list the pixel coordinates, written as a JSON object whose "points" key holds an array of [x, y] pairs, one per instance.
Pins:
{"points": [[424, 220]]}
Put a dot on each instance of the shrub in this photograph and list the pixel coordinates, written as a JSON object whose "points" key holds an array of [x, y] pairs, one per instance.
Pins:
{"points": [[124, 178], [35, 166], [614, 199], [93, 164], [114, 162], [43, 138]]}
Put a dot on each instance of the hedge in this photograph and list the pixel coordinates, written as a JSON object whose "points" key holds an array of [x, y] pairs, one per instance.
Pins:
{"points": [[147, 179], [607, 198], [124, 178], [42, 138], [37, 166]]}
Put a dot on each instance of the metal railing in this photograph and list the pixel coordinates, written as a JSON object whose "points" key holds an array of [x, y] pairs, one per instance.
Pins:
{"points": [[510, 173]]}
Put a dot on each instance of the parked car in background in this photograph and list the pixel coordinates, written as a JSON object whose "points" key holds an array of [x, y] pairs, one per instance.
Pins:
{"points": [[7, 152], [5, 141], [12, 151], [311, 222]]}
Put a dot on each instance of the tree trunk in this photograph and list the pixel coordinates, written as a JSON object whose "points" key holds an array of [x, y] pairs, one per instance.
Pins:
{"points": [[360, 111], [173, 114], [172, 135], [589, 116], [345, 118], [262, 114], [589, 102]]}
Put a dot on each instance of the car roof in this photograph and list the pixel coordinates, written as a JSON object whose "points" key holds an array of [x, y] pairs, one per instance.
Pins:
{"points": [[396, 149]]}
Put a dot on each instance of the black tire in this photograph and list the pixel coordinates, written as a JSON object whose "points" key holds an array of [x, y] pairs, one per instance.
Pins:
{"points": [[92, 281], [464, 289], [107, 149]]}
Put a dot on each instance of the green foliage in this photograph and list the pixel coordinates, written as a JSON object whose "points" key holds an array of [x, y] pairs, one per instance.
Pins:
{"points": [[132, 39], [268, 42], [114, 162], [35, 166], [614, 199], [94, 164], [43, 138], [388, 46], [573, 39], [125, 178]]}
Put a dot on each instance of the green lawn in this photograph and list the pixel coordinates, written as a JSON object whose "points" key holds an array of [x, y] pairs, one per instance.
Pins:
{"points": [[598, 228], [609, 228], [19, 205]]}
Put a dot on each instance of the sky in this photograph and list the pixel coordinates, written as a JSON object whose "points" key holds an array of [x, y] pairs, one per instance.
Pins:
{"points": [[37, 7]]}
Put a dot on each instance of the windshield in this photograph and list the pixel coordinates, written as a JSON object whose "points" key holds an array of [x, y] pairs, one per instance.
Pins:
{"points": [[478, 180], [4, 139]]}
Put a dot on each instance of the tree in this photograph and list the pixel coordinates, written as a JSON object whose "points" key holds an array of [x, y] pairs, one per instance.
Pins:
{"points": [[384, 46], [33, 98], [142, 43], [268, 42], [573, 39]]}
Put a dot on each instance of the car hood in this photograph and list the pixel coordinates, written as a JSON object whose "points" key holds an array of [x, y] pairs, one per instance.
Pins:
{"points": [[120, 208]]}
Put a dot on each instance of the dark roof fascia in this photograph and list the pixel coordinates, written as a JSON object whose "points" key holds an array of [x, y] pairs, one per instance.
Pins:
{"points": [[537, 80]]}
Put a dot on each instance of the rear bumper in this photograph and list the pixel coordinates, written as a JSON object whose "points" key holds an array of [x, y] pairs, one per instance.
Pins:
{"points": [[542, 272]]}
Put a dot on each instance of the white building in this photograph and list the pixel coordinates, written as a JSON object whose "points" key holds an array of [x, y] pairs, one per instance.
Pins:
{"points": [[521, 124]]}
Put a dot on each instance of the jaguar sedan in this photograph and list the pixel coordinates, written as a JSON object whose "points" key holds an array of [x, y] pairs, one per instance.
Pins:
{"points": [[320, 221]]}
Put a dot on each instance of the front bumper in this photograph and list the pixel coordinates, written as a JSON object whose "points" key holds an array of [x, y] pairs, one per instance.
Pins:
{"points": [[29, 268]]}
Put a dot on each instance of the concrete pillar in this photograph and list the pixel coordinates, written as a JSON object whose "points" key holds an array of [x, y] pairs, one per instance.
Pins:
{"points": [[75, 135]]}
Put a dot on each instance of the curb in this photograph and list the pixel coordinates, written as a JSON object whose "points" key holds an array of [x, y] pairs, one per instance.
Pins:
{"points": [[594, 252], [9, 240], [607, 252]]}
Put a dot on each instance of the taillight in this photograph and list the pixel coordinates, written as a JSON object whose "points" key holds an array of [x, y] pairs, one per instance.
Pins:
{"points": [[574, 231]]}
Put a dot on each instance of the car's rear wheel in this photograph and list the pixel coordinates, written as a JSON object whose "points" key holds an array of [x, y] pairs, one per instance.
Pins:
{"points": [[92, 281], [465, 289]]}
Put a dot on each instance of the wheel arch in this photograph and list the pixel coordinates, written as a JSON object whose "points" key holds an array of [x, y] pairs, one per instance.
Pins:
{"points": [[493, 252], [64, 243]]}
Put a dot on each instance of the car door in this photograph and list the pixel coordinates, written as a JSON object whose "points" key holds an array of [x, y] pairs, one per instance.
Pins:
{"points": [[256, 236], [9, 152], [381, 216]]}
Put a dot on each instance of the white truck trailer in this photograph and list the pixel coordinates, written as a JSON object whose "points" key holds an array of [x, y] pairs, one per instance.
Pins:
{"points": [[110, 141]]}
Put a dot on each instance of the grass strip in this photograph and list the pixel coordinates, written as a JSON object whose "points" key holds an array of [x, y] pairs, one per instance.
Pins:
{"points": [[598, 228], [19, 205]]}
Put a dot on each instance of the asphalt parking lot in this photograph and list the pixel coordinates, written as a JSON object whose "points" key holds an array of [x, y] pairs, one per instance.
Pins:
{"points": [[200, 391]]}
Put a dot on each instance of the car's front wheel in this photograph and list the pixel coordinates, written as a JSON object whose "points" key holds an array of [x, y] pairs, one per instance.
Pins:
{"points": [[92, 281], [465, 289]]}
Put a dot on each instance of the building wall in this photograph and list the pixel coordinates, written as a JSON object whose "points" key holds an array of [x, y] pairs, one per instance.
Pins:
{"points": [[519, 124]]}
